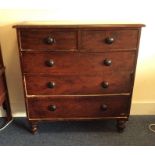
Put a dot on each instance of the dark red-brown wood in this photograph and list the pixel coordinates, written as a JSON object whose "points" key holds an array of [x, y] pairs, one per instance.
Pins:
{"points": [[78, 72], [2, 90], [78, 107], [33, 39], [4, 98], [79, 85], [122, 39], [37, 25], [77, 63]]}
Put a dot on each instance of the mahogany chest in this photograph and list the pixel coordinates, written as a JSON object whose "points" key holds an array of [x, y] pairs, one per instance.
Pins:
{"points": [[78, 72]]}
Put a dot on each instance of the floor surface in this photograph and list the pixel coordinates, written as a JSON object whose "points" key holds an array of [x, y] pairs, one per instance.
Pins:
{"points": [[101, 133]]}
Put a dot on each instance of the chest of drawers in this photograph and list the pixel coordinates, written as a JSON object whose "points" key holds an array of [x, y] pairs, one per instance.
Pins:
{"points": [[78, 72]]}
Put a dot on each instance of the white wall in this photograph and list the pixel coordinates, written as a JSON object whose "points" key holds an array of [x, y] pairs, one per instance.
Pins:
{"points": [[81, 11]]}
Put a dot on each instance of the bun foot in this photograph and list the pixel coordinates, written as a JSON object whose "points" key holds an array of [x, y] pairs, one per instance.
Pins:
{"points": [[121, 125]]}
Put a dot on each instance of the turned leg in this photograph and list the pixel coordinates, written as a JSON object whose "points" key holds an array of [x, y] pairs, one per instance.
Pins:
{"points": [[121, 125], [34, 126]]}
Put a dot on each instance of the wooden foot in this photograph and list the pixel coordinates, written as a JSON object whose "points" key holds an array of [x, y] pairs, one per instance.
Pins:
{"points": [[121, 125], [34, 127]]}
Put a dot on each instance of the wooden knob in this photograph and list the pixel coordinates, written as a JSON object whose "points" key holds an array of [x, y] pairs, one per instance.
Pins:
{"points": [[104, 107], [107, 62], [49, 40], [105, 84], [109, 40], [51, 84], [49, 63], [52, 107]]}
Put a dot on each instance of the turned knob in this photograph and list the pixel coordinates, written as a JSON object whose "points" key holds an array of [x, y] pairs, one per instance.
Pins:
{"points": [[104, 107], [49, 63], [105, 84], [107, 62], [109, 40], [52, 107], [49, 40], [51, 84]]}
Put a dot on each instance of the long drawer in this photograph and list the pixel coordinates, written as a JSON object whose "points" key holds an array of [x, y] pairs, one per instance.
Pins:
{"points": [[77, 84], [110, 39], [78, 107], [74, 62], [48, 39]]}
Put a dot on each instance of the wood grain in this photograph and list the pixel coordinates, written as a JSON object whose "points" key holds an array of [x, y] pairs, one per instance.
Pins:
{"points": [[123, 39], [77, 63], [78, 72], [73, 85], [75, 107], [33, 39]]}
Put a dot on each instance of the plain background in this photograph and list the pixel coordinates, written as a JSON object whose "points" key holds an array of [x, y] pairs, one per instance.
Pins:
{"points": [[81, 11]]}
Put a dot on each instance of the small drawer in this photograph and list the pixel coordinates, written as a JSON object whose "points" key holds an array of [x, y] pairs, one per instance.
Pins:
{"points": [[109, 40], [47, 39], [78, 107], [77, 63], [77, 84]]}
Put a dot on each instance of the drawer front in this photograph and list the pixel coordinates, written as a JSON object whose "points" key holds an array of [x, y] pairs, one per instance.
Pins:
{"points": [[77, 85], [78, 107], [114, 39], [77, 63], [47, 39]]}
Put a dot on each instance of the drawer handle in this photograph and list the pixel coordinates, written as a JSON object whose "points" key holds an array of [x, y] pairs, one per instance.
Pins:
{"points": [[52, 107], [109, 40], [107, 62], [50, 40], [49, 63], [51, 84], [104, 107], [105, 84]]}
